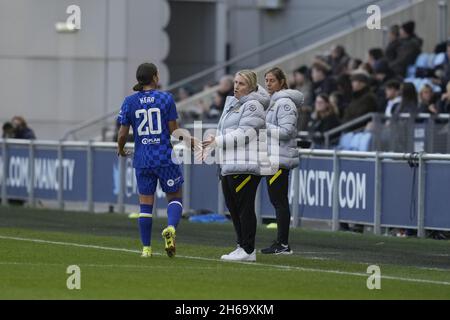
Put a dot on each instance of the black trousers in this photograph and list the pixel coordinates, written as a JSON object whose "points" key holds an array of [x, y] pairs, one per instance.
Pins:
{"points": [[278, 186], [240, 192]]}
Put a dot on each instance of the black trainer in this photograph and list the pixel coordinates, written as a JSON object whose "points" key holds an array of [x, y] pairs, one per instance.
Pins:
{"points": [[277, 248]]}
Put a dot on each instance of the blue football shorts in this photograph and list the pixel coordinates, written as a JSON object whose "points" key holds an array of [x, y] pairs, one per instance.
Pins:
{"points": [[170, 179]]}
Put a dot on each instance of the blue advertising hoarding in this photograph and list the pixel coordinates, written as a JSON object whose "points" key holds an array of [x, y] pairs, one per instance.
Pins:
{"points": [[437, 209], [399, 194], [356, 185]]}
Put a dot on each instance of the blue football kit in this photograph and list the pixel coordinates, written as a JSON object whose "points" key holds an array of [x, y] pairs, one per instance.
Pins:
{"points": [[149, 113]]}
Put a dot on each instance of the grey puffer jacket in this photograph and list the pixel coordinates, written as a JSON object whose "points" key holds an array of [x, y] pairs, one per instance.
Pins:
{"points": [[238, 133], [281, 123]]}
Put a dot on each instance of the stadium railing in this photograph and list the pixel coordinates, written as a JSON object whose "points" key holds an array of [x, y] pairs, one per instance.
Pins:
{"points": [[376, 189]]}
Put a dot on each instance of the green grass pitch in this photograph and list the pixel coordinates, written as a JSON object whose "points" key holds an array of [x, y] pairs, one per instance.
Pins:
{"points": [[37, 246]]}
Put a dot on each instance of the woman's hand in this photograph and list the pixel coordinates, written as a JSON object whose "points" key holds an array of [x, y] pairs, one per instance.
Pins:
{"points": [[209, 142], [432, 108], [123, 153]]}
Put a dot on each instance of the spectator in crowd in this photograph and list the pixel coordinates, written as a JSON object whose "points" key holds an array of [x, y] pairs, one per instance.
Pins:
{"points": [[393, 43], [427, 100], [344, 92], [301, 81], [409, 102], [374, 55], [366, 67], [442, 72], [216, 108], [363, 100], [322, 81], [336, 101], [393, 97], [444, 102], [353, 65], [183, 93], [408, 49], [382, 75], [8, 131], [338, 60], [225, 88], [324, 118], [21, 129]]}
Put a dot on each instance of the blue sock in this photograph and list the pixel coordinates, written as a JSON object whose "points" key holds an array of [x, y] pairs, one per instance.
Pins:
{"points": [[174, 212], [145, 224]]}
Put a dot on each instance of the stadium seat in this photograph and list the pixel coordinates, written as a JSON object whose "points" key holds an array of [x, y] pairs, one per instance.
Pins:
{"points": [[359, 141], [345, 141], [365, 141]]}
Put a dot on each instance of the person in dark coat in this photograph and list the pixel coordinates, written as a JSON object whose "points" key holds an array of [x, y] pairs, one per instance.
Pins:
{"points": [[391, 49], [322, 80], [363, 101], [382, 75], [409, 48], [8, 131], [338, 60], [444, 102], [324, 118], [410, 101], [21, 129], [427, 100]]}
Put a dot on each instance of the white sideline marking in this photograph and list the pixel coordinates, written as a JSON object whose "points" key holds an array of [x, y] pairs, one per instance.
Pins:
{"points": [[281, 267]]}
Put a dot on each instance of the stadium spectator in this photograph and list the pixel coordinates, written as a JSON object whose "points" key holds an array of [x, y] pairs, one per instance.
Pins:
{"points": [[442, 72], [183, 93], [343, 94], [281, 118], [367, 68], [393, 97], [245, 112], [427, 100], [324, 118], [391, 49], [444, 102], [21, 129], [322, 81], [353, 65], [8, 131], [382, 75], [363, 100], [408, 49], [336, 101], [225, 88], [215, 110], [374, 55], [301, 81], [338, 60], [409, 102]]}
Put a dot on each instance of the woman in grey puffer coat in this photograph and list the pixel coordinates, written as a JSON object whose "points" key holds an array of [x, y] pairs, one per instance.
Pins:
{"points": [[237, 149], [281, 123]]}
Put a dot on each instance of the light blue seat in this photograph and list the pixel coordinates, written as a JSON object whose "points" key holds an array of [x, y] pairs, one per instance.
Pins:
{"points": [[365, 141], [345, 141]]}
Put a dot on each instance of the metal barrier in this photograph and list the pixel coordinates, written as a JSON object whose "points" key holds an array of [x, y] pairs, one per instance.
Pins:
{"points": [[377, 189]]}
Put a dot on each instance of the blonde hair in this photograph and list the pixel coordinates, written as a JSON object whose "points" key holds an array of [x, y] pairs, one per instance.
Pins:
{"points": [[250, 78]]}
